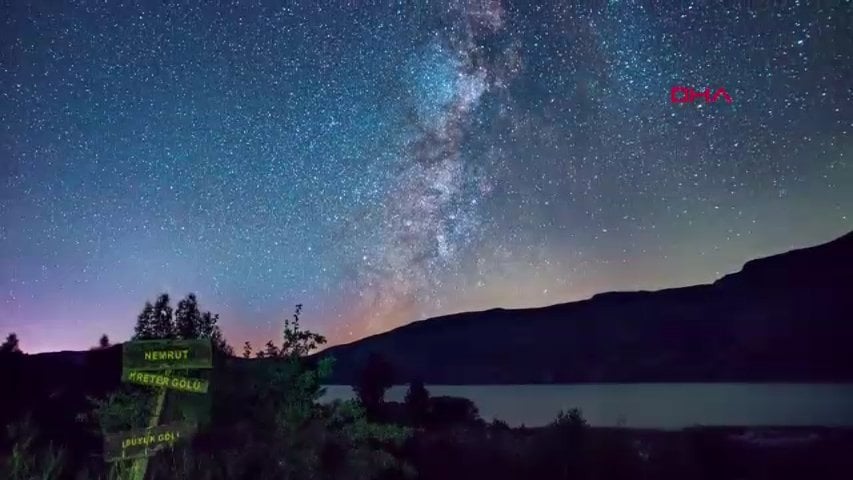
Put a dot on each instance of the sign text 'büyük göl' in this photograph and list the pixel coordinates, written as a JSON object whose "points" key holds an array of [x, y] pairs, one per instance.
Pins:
{"points": [[144, 442], [195, 385], [167, 354]]}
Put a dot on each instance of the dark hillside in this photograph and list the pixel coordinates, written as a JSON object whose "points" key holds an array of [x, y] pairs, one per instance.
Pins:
{"points": [[781, 318]]}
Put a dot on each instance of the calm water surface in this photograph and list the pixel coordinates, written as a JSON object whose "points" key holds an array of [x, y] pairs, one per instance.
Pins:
{"points": [[652, 405]]}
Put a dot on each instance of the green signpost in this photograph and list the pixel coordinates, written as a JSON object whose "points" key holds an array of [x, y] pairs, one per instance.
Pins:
{"points": [[165, 380], [150, 363], [144, 442], [146, 355]]}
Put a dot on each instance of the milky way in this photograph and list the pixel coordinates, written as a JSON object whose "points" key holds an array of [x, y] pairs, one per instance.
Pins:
{"points": [[431, 214], [383, 162]]}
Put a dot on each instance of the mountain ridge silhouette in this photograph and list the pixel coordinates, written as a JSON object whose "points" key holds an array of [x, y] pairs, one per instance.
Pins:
{"points": [[783, 317]]}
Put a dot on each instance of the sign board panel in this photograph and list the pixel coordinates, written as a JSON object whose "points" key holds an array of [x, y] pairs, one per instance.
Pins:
{"points": [[144, 442], [165, 380], [167, 354]]}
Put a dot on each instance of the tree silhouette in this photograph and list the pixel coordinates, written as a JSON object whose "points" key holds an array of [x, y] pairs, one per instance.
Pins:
{"points": [[104, 342], [417, 401], [563, 444], [11, 344], [208, 328], [298, 342], [164, 323], [144, 329], [247, 349], [157, 322], [271, 351], [188, 317], [376, 377]]}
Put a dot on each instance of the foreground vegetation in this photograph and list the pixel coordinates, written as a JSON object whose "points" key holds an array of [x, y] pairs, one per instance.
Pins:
{"points": [[262, 418]]}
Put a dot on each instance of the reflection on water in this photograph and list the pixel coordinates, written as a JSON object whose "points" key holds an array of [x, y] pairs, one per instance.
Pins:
{"points": [[657, 405]]}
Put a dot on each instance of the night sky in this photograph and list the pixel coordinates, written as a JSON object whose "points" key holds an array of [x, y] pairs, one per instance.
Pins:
{"points": [[384, 163]]}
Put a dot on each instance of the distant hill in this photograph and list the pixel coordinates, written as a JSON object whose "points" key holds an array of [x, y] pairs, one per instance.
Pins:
{"points": [[787, 317], [782, 318]]}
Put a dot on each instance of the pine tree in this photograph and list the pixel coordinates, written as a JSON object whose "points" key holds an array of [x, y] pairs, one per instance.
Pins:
{"points": [[417, 401], [157, 321], [376, 377], [144, 329], [188, 318], [209, 329], [247, 349], [271, 350], [164, 323]]}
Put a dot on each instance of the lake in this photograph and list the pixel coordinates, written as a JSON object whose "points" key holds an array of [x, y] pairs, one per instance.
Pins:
{"points": [[652, 405]]}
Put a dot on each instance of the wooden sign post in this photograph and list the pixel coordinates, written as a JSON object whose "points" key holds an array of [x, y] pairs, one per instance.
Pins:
{"points": [[150, 363]]}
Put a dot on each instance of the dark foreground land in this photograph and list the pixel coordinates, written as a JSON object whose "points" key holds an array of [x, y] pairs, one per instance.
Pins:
{"points": [[263, 419], [561, 452], [259, 433]]}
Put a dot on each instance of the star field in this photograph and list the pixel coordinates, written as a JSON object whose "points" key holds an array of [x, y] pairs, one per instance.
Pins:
{"points": [[383, 162]]}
